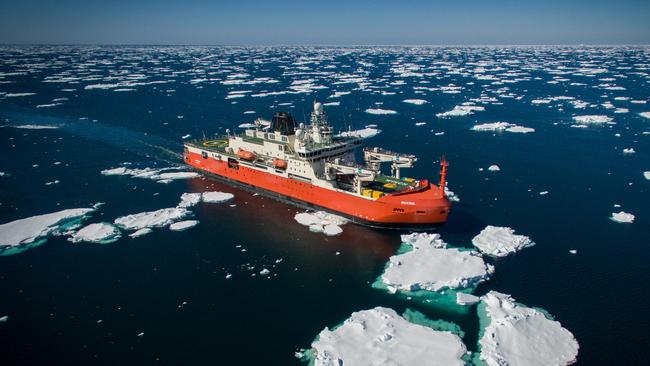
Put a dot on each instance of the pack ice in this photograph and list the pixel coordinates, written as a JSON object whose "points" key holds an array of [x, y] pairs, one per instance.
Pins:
{"points": [[380, 336], [500, 241], [518, 335]]}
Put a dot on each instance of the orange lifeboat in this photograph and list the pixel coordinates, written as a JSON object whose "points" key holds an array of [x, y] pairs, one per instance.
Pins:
{"points": [[246, 155], [280, 164]]}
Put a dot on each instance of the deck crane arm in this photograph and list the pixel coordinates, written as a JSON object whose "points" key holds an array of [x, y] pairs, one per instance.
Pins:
{"points": [[375, 156]]}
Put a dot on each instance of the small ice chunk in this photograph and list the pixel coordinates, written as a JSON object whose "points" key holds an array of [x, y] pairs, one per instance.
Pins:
{"points": [[183, 225], [543, 193], [646, 175], [102, 233], [500, 241], [363, 133], [593, 119], [628, 151], [141, 232], [216, 197], [494, 168], [645, 114], [379, 111], [380, 336], [573, 251], [622, 217], [265, 272], [519, 335], [4, 318], [321, 222], [415, 101], [460, 110], [189, 200]]}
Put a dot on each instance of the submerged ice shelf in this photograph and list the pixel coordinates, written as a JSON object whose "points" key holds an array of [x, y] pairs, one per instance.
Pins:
{"points": [[380, 336]]}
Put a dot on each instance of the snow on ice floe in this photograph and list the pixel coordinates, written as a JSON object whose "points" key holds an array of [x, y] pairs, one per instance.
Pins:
{"points": [[466, 299], [502, 126], [189, 200], [216, 197], [32, 231], [183, 225], [517, 335], [461, 110], [363, 133], [380, 336], [379, 111], [622, 217], [431, 266], [500, 241], [102, 233], [415, 101], [593, 119], [321, 222], [158, 218]]}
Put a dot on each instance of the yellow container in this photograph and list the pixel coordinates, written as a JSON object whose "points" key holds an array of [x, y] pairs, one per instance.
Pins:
{"points": [[366, 192], [377, 194], [390, 185], [410, 180]]}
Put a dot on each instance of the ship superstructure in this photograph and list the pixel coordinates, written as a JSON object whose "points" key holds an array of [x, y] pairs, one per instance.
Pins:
{"points": [[310, 166]]}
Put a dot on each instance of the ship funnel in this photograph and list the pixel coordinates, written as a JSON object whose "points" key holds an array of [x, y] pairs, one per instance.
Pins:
{"points": [[284, 123]]}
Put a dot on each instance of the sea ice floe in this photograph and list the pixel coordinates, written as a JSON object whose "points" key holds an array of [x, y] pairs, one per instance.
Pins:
{"points": [[18, 235], [363, 133], [494, 168], [517, 335], [466, 299], [216, 197], [415, 101], [622, 217], [161, 175], [645, 114], [102, 233], [140, 232], [502, 126], [460, 110], [433, 267], [183, 225], [321, 222], [593, 119], [380, 336], [646, 175], [158, 218], [379, 111], [189, 200], [36, 127], [500, 241], [628, 151]]}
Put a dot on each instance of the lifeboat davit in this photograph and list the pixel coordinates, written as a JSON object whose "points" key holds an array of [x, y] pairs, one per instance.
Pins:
{"points": [[280, 164], [246, 155]]}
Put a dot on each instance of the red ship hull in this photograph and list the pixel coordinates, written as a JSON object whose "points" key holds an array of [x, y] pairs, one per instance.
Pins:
{"points": [[426, 206]]}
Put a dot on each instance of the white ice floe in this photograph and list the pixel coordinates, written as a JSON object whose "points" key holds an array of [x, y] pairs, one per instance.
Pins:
{"points": [[380, 336], [158, 218], [102, 233], [500, 241], [460, 110], [628, 151], [420, 240], [494, 168], [434, 268], [161, 175], [363, 133], [216, 197], [622, 217], [379, 111], [189, 200], [14, 95], [451, 195], [593, 119], [183, 225], [33, 229], [518, 335], [466, 299], [36, 127], [645, 114], [502, 126], [140, 232], [646, 175], [415, 101], [321, 222]]}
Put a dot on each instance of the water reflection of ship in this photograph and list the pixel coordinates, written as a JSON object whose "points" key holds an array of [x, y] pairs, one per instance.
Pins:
{"points": [[257, 218]]}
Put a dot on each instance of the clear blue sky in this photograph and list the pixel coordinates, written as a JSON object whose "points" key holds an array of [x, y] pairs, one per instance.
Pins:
{"points": [[325, 22]]}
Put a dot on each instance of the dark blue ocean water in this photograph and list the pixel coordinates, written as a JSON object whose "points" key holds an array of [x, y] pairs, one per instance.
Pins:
{"points": [[172, 285]]}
